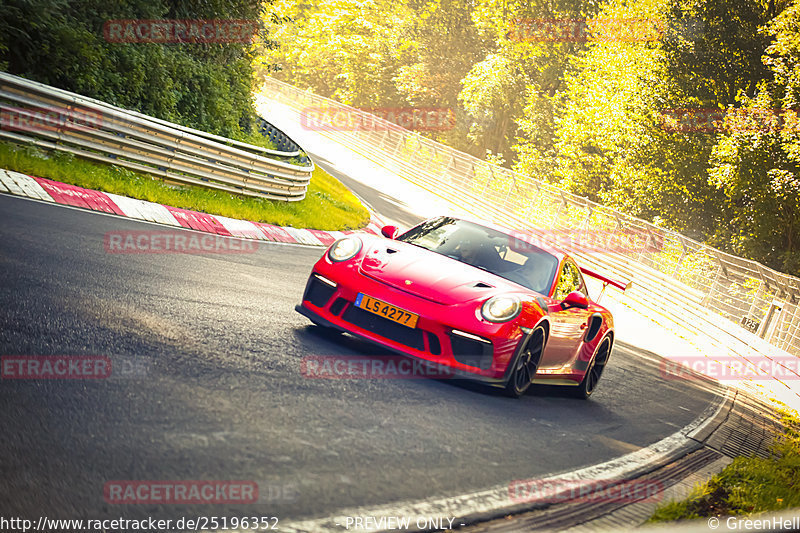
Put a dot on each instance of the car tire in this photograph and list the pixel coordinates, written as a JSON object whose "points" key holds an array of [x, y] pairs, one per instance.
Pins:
{"points": [[595, 371], [526, 364]]}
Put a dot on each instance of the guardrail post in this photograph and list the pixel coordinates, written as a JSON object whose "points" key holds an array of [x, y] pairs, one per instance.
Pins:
{"points": [[450, 163], [400, 141], [561, 206], [471, 172], [588, 218], [649, 244], [793, 337], [720, 269], [680, 259], [385, 135], [757, 297]]}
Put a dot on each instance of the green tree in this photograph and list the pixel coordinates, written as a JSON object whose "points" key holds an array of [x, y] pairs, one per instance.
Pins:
{"points": [[757, 162], [603, 115], [492, 95], [610, 140], [203, 85], [522, 72]]}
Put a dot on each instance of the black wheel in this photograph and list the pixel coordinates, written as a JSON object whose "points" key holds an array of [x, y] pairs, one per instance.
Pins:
{"points": [[595, 370], [526, 364]]}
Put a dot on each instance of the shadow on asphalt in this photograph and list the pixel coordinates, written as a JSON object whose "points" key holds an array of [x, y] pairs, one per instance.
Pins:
{"points": [[652, 366]]}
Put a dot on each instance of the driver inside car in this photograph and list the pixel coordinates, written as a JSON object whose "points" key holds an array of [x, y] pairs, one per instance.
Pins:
{"points": [[479, 254]]}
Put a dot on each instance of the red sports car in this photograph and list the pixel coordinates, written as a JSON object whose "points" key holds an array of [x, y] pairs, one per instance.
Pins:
{"points": [[483, 301]]}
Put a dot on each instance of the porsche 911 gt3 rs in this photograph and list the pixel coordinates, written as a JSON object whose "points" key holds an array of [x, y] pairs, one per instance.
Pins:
{"points": [[483, 301]]}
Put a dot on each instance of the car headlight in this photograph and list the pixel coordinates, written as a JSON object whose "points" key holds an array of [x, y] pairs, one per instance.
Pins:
{"points": [[344, 249], [501, 308]]}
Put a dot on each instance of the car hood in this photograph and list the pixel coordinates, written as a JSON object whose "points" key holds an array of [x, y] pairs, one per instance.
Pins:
{"points": [[430, 275]]}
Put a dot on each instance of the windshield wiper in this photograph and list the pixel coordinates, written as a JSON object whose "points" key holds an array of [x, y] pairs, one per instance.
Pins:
{"points": [[418, 246]]}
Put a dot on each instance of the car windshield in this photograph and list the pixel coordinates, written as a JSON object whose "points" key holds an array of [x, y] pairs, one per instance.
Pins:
{"points": [[487, 249]]}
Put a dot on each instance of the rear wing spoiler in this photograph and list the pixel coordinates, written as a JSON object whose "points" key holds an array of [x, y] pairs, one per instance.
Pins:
{"points": [[621, 285]]}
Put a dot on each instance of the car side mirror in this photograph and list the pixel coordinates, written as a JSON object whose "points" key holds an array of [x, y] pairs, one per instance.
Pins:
{"points": [[390, 232], [575, 299]]}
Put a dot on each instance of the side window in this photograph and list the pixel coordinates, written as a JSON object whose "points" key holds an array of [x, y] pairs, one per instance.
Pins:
{"points": [[569, 280]]}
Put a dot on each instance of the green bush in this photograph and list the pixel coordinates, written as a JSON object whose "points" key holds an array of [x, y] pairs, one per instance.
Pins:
{"points": [[201, 85]]}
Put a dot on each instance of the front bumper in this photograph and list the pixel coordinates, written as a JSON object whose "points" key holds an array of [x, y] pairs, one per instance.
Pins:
{"points": [[433, 340]]}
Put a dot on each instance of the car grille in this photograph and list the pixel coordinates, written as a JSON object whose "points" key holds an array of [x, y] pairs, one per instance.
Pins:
{"points": [[384, 327]]}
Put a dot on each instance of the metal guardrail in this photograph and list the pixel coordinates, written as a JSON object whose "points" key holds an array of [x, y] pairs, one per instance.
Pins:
{"points": [[60, 120], [737, 303], [279, 138]]}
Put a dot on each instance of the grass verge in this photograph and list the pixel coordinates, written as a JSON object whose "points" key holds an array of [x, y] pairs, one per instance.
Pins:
{"points": [[748, 485], [328, 204]]}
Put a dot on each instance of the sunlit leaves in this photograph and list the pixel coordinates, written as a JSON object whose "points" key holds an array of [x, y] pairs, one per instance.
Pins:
{"points": [[756, 161]]}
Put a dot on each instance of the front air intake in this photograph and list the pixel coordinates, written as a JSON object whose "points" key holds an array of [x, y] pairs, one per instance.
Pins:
{"points": [[471, 350]]}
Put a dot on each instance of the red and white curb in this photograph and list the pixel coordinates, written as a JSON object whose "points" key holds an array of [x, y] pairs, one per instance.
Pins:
{"points": [[19, 184]]}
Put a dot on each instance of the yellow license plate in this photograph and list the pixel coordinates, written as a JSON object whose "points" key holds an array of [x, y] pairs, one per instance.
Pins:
{"points": [[395, 314]]}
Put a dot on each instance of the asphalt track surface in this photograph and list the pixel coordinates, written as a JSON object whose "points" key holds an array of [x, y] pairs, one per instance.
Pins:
{"points": [[218, 394], [393, 210]]}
